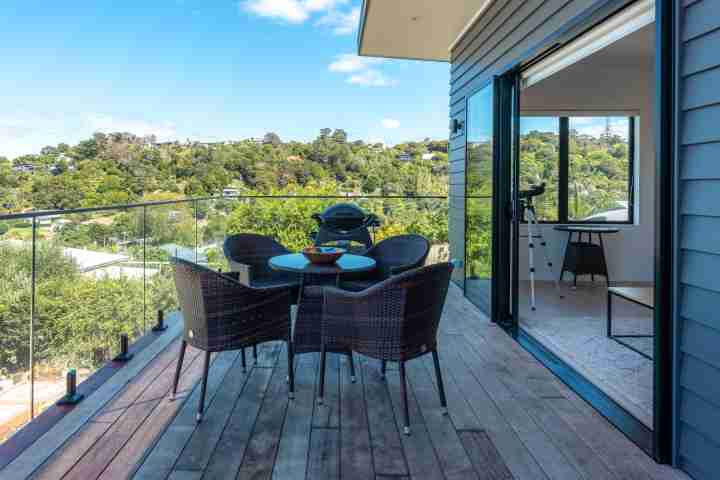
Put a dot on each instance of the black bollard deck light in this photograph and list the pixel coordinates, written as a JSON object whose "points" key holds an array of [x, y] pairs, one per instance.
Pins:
{"points": [[72, 397], [160, 325], [124, 355]]}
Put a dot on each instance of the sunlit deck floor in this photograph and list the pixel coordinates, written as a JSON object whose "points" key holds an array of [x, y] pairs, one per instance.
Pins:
{"points": [[509, 418]]}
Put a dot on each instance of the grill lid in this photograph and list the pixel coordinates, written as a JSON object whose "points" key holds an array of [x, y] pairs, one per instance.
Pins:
{"points": [[345, 216]]}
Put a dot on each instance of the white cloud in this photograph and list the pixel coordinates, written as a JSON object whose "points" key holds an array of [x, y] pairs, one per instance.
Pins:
{"points": [[141, 128], [342, 23], [390, 123], [371, 78], [349, 62], [361, 70], [290, 11]]}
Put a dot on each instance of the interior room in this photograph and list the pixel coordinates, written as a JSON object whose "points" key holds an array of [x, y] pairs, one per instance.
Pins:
{"points": [[587, 133]]}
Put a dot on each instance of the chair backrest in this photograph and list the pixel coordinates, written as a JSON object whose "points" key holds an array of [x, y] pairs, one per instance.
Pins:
{"points": [[254, 250], [402, 314], [409, 251], [359, 235]]}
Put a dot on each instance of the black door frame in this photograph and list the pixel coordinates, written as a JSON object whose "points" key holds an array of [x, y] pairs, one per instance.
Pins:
{"points": [[505, 258]]}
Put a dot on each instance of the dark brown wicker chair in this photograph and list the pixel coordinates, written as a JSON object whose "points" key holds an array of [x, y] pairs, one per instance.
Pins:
{"points": [[222, 314], [393, 255], [248, 255], [394, 321]]}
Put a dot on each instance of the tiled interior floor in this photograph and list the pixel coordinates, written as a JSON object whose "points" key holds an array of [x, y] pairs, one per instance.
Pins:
{"points": [[574, 329]]}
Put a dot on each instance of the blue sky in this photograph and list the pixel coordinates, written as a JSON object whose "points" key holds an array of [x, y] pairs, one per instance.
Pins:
{"points": [[206, 70]]}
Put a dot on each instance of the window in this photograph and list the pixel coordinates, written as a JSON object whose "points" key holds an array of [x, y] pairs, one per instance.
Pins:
{"points": [[586, 164]]}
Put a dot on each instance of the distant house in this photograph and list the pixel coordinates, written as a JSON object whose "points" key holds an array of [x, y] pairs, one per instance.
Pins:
{"points": [[24, 168], [230, 192], [404, 157], [428, 156]]}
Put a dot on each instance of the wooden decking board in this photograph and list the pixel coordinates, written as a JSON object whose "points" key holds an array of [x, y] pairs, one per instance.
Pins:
{"points": [[197, 452], [162, 458], [292, 455], [484, 456], [509, 418], [324, 461], [459, 410], [144, 438], [356, 460], [31, 459], [388, 455], [516, 455], [450, 452], [549, 456], [230, 449], [261, 450], [329, 415], [420, 454]]}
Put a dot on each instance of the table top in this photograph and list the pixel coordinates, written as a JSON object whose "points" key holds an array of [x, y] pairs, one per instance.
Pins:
{"points": [[642, 295], [297, 263], [581, 229]]}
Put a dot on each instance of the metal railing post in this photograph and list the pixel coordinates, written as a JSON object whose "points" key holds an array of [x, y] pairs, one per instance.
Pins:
{"points": [[32, 317], [144, 247]]}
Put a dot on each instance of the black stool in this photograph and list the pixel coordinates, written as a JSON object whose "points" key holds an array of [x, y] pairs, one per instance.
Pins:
{"points": [[585, 257]]}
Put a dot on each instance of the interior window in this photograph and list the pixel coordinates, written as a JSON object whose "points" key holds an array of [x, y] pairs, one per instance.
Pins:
{"points": [[599, 186], [585, 164], [540, 162]]}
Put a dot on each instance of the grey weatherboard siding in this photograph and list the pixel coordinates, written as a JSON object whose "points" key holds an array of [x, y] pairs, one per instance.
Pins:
{"points": [[501, 37], [698, 388]]}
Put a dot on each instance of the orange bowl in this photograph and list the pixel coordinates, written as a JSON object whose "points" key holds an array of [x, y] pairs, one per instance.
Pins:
{"points": [[323, 255]]}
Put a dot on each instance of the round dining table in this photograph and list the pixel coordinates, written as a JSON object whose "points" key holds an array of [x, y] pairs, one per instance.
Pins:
{"points": [[298, 263]]}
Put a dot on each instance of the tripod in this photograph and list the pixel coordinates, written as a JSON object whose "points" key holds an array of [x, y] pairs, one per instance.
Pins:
{"points": [[528, 207]]}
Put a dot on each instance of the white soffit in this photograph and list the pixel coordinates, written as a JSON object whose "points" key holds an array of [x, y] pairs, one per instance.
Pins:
{"points": [[627, 21], [416, 29]]}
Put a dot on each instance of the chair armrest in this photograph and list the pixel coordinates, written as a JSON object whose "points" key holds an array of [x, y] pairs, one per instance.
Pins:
{"points": [[244, 271], [398, 269]]}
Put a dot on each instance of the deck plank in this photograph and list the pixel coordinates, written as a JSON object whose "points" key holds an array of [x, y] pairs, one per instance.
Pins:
{"points": [[388, 454], [356, 460], [420, 454], [166, 451], [451, 454], [230, 450], [484, 456], [260, 453], [329, 415], [142, 441], [515, 453], [324, 461], [292, 456]]}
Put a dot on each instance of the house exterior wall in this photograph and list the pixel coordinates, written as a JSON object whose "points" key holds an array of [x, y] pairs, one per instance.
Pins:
{"points": [[501, 38], [698, 302]]}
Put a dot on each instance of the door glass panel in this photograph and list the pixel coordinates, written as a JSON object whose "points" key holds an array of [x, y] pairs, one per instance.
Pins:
{"points": [[540, 163], [479, 199]]}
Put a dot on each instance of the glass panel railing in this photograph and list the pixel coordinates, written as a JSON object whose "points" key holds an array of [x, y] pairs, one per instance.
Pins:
{"points": [[89, 291], [16, 278], [170, 231], [91, 276]]}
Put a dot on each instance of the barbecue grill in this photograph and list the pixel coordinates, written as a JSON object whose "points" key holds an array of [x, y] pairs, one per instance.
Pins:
{"points": [[345, 223]]}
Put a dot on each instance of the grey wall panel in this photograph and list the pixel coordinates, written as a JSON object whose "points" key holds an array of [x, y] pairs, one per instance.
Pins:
{"points": [[700, 18], [700, 233], [700, 162], [700, 197], [701, 124], [701, 415], [699, 89], [700, 378], [699, 341], [480, 31], [698, 53], [700, 270], [700, 305]]}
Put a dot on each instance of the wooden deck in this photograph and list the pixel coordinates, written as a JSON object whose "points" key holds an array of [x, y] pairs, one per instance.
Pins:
{"points": [[509, 418]]}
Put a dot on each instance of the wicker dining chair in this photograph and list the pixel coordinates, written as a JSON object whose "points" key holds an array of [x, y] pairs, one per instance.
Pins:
{"points": [[394, 321], [392, 256], [248, 254], [221, 314]]}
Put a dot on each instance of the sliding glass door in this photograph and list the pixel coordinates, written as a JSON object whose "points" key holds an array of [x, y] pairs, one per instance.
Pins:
{"points": [[490, 114], [479, 198]]}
